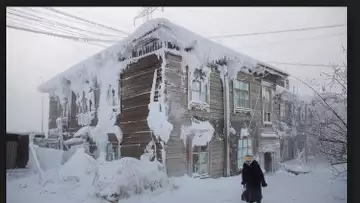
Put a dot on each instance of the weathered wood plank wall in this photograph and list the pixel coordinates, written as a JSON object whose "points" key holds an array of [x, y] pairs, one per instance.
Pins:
{"points": [[136, 82], [242, 119], [176, 152], [178, 156]]}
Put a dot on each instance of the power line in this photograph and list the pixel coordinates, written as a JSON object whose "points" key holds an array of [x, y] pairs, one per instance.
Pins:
{"points": [[88, 21], [58, 35], [146, 13], [65, 25], [294, 40], [34, 25], [303, 64], [54, 23], [56, 15], [41, 30], [278, 31]]}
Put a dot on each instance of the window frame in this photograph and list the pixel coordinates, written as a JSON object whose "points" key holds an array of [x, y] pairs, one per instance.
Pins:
{"points": [[197, 151], [267, 115], [202, 86], [235, 102], [248, 147], [282, 111]]}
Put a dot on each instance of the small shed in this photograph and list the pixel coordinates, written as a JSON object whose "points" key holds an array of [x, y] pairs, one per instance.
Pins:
{"points": [[17, 150]]}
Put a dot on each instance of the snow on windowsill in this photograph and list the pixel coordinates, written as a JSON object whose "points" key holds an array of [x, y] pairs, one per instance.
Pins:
{"points": [[242, 110], [244, 133], [268, 123], [269, 135], [232, 131], [202, 132], [198, 105]]}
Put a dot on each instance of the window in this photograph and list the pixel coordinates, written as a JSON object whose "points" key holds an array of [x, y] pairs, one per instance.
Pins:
{"points": [[199, 91], [113, 98], [200, 160], [241, 94], [282, 110], [113, 151], [287, 84], [267, 105], [244, 148], [288, 111]]}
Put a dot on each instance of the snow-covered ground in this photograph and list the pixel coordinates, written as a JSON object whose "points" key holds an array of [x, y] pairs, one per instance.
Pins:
{"points": [[317, 186]]}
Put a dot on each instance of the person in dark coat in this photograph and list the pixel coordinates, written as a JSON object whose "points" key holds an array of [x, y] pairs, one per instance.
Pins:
{"points": [[252, 179]]}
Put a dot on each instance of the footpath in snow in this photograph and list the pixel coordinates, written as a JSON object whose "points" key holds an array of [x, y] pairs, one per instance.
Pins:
{"points": [[317, 186]]}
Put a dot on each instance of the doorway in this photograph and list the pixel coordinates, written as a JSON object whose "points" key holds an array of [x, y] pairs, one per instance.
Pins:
{"points": [[268, 162]]}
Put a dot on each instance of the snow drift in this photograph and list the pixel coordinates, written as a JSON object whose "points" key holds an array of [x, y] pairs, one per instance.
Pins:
{"points": [[127, 176]]}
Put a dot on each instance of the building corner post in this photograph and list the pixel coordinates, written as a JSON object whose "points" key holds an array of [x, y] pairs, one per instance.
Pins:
{"points": [[227, 125]]}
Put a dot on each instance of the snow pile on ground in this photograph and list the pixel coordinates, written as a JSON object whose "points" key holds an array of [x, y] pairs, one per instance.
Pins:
{"points": [[293, 189], [297, 168], [49, 158], [80, 168], [127, 176]]}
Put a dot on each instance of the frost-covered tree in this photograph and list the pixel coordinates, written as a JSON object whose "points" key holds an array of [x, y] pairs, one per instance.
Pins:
{"points": [[328, 115]]}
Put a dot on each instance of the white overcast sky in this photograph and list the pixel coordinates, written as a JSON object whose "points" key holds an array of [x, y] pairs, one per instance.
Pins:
{"points": [[31, 56]]}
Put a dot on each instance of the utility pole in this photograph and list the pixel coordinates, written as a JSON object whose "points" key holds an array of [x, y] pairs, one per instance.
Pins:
{"points": [[42, 109], [146, 13]]}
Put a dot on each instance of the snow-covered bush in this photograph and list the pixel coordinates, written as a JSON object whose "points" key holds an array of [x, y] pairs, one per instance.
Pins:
{"points": [[127, 176]]}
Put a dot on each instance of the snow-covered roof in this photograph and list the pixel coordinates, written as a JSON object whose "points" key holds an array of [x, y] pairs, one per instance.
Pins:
{"points": [[285, 93], [205, 50]]}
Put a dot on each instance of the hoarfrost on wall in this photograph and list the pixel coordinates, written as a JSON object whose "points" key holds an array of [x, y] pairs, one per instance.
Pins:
{"points": [[104, 68], [157, 118], [201, 132]]}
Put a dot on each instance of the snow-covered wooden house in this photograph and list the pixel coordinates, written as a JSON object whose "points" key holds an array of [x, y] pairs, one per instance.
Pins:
{"points": [[196, 105], [286, 105]]}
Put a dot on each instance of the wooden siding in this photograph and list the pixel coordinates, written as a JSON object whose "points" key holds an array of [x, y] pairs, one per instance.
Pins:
{"points": [[136, 82], [217, 149], [55, 111], [217, 158], [241, 119], [176, 152], [178, 156]]}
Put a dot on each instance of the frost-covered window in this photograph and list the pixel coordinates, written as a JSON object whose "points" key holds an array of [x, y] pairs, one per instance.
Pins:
{"points": [[244, 148], [267, 105], [199, 91], [200, 160], [113, 152], [112, 97], [241, 94]]}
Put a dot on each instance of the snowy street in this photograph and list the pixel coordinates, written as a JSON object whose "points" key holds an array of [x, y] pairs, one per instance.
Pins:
{"points": [[318, 186]]}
